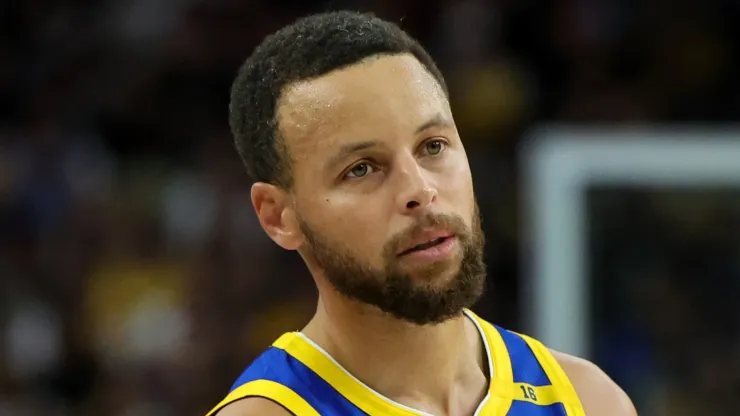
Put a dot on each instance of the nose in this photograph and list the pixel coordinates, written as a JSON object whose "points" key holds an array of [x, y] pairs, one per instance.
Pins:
{"points": [[417, 189]]}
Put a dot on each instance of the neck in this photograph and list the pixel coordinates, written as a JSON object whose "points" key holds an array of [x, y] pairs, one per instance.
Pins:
{"points": [[437, 368]]}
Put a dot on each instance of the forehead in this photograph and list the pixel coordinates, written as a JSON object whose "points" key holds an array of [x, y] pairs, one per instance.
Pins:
{"points": [[372, 100]]}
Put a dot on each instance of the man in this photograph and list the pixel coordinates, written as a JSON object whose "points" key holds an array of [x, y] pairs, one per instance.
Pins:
{"points": [[344, 122]]}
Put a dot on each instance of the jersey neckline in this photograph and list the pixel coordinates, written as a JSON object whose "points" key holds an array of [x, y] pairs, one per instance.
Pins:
{"points": [[300, 347]]}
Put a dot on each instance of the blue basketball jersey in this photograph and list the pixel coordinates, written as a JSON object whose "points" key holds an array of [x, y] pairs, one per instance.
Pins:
{"points": [[525, 380]]}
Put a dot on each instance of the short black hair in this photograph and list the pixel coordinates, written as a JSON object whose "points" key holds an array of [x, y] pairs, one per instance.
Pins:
{"points": [[308, 48]]}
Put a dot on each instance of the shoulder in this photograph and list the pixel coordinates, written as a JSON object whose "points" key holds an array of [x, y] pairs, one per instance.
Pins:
{"points": [[598, 393], [253, 406]]}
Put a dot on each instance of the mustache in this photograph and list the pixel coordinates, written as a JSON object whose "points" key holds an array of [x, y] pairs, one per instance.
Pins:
{"points": [[451, 223]]}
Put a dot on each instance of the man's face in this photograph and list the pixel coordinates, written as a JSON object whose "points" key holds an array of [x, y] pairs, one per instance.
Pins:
{"points": [[382, 189]]}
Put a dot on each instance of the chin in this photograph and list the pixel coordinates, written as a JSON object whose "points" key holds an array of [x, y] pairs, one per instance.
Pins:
{"points": [[437, 274]]}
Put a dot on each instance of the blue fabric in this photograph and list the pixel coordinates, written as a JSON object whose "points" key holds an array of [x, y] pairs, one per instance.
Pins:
{"points": [[278, 366], [520, 408], [526, 367]]}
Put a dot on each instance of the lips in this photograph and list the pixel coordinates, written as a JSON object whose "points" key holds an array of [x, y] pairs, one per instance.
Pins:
{"points": [[426, 240]]}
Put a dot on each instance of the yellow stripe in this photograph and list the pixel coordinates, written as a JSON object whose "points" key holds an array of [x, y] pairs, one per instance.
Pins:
{"points": [[560, 382], [269, 390], [543, 395], [503, 374], [345, 384]]}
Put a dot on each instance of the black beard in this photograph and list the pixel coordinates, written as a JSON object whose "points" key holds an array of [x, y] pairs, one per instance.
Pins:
{"points": [[397, 293]]}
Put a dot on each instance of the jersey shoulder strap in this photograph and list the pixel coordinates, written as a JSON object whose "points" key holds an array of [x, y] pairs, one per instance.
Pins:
{"points": [[283, 395], [269, 376], [279, 376], [535, 383], [539, 377]]}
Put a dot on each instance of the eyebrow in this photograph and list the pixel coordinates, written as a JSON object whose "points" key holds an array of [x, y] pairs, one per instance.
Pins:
{"points": [[350, 148], [438, 120]]}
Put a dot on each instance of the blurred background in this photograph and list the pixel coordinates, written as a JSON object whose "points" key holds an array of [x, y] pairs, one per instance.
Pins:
{"points": [[135, 280]]}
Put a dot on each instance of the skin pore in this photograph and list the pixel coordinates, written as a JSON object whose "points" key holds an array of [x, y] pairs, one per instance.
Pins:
{"points": [[378, 166]]}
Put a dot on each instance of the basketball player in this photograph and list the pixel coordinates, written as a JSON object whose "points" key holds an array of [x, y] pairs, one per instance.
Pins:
{"points": [[344, 122]]}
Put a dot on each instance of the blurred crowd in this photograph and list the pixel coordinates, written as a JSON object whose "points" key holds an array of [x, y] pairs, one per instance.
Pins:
{"points": [[667, 279], [134, 278]]}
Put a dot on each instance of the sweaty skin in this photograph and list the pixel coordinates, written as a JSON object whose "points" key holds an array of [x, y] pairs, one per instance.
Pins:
{"points": [[373, 150]]}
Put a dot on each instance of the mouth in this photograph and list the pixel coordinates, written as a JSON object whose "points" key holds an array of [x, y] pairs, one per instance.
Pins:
{"points": [[426, 245]]}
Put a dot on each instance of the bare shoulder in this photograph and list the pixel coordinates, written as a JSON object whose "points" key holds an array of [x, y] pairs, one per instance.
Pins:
{"points": [[254, 406], [598, 393]]}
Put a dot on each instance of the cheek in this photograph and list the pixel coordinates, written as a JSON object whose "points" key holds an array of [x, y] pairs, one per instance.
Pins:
{"points": [[355, 224], [459, 184]]}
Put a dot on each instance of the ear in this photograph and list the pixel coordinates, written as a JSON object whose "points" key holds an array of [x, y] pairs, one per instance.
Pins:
{"points": [[276, 215]]}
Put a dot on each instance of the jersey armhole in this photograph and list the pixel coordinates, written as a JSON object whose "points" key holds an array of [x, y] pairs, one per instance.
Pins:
{"points": [[247, 397], [276, 392]]}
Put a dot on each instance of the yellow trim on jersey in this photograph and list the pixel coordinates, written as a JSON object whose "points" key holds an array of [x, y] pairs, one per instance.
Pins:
{"points": [[560, 381], [543, 395], [268, 389], [349, 387], [503, 374]]}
